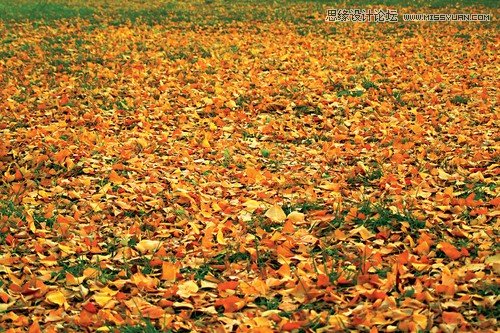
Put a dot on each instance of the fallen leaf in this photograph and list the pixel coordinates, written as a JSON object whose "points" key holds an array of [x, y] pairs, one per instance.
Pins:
{"points": [[187, 289], [450, 250], [56, 297], [148, 246], [276, 213]]}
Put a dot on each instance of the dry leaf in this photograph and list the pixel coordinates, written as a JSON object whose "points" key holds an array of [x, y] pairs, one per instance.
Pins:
{"points": [[276, 213], [187, 289]]}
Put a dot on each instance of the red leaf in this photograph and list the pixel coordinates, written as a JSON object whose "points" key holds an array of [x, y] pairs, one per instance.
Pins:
{"points": [[90, 307]]}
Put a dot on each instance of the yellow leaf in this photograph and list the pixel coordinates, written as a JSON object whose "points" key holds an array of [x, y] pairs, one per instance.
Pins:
{"points": [[295, 217], [6, 306], [123, 205], [146, 245], [56, 297], [216, 207], [187, 289], [330, 187], [205, 143], [443, 175], [365, 233], [231, 104], [252, 205], [220, 238], [183, 305], [143, 142], [495, 262], [207, 100], [492, 259], [421, 320], [95, 206], [102, 299], [107, 291], [65, 249], [276, 213], [105, 189]]}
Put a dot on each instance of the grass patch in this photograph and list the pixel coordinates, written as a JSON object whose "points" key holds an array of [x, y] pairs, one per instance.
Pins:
{"points": [[457, 100], [239, 256], [41, 10], [368, 84], [303, 207], [41, 221], [10, 209], [306, 110], [374, 216], [487, 289], [201, 13], [146, 326], [353, 93], [265, 153], [482, 191], [73, 267], [269, 303], [367, 179]]}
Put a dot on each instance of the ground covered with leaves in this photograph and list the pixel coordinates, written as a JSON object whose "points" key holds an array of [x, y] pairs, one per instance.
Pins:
{"points": [[246, 167]]}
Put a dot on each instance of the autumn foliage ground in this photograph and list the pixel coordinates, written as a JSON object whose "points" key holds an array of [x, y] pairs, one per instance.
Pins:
{"points": [[246, 167]]}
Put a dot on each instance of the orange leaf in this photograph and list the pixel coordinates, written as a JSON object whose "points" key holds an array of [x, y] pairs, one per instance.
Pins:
{"points": [[284, 251], [116, 178], [153, 312], [34, 328], [450, 250], [288, 227], [292, 325], [227, 285], [168, 271], [495, 201], [4, 297], [61, 155], [85, 318], [452, 317], [323, 280], [229, 303], [422, 248], [284, 271]]}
